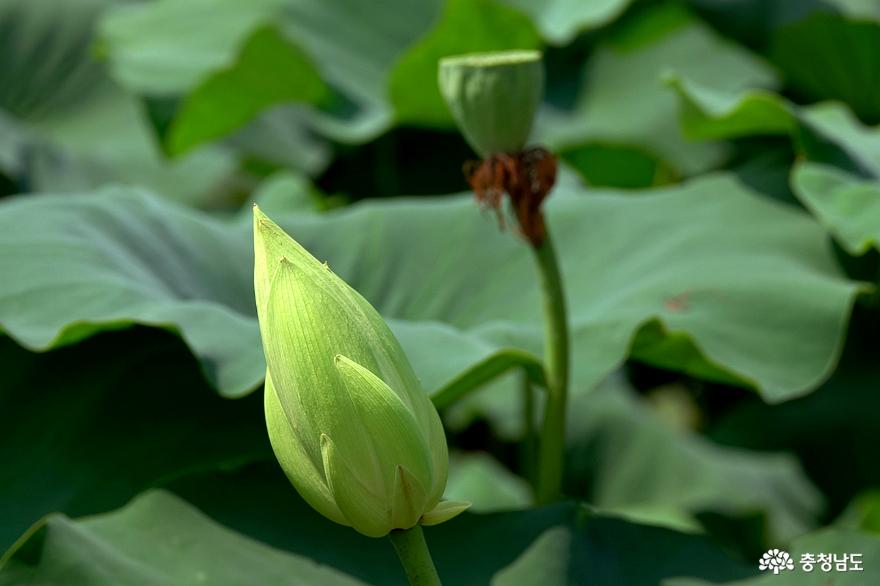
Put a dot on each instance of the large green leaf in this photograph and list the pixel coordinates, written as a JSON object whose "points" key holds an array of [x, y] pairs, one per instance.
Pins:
{"points": [[828, 56], [708, 113], [848, 206], [561, 20], [154, 49], [623, 100], [44, 55], [622, 457], [269, 71], [108, 140], [754, 23], [485, 483], [150, 57], [833, 431], [715, 270], [368, 50], [279, 137], [88, 427], [358, 57], [835, 123], [158, 539], [741, 289], [161, 539], [120, 257], [233, 64], [149, 418], [150, 54], [66, 126]]}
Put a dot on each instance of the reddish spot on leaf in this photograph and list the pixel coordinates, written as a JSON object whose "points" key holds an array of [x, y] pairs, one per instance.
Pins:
{"points": [[677, 303]]}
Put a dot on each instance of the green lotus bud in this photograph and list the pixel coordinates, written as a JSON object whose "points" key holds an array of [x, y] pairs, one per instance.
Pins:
{"points": [[493, 97], [347, 418]]}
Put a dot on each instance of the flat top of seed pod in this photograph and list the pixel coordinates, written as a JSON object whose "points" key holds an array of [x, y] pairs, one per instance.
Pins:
{"points": [[497, 58]]}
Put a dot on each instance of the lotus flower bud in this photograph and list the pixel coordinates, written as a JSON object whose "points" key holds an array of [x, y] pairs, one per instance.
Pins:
{"points": [[493, 97], [347, 418]]}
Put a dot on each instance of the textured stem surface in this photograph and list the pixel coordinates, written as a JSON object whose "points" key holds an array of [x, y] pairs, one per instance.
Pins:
{"points": [[412, 549]]}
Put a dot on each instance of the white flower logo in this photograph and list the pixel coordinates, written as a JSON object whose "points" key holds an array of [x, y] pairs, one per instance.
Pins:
{"points": [[776, 560]]}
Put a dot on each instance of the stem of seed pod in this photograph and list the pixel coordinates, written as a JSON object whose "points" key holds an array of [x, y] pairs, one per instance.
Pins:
{"points": [[551, 454], [527, 176], [412, 549]]}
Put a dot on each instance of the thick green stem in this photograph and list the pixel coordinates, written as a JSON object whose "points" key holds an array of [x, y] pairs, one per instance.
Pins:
{"points": [[551, 453], [412, 549]]}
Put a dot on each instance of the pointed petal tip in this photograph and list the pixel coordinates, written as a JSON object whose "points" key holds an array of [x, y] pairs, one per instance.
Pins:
{"points": [[262, 222], [344, 362], [444, 511]]}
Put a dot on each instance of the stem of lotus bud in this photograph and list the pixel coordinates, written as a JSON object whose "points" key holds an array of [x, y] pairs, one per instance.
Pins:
{"points": [[412, 549]]}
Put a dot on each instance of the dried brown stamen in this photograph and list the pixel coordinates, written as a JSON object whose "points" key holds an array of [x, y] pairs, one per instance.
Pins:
{"points": [[526, 177]]}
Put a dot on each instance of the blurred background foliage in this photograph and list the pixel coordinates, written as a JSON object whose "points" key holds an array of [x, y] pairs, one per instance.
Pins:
{"points": [[718, 218]]}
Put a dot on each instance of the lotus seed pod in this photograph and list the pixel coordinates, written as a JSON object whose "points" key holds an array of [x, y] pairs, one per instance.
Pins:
{"points": [[493, 97], [348, 421]]}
